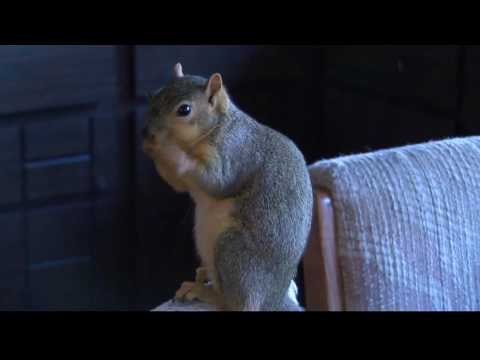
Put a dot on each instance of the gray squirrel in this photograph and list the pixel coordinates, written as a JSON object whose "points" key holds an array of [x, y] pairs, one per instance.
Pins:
{"points": [[251, 188]]}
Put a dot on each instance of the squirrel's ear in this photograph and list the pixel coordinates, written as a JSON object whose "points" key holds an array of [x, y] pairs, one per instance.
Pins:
{"points": [[217, 96], [178, 71], [215, 84]]}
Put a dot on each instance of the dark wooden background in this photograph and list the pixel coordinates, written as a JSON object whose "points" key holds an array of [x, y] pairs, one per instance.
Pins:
{"points": [[85, 222]]}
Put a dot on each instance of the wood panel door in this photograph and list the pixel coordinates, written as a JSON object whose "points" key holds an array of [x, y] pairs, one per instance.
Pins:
{"points": [[61, 217]]}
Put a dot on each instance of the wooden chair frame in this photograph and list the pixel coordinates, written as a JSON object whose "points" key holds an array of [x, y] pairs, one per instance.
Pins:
{"points": [[323, 287]]}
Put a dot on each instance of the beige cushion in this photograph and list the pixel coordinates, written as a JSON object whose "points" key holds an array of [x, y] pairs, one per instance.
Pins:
{"points": [[408, 225]]}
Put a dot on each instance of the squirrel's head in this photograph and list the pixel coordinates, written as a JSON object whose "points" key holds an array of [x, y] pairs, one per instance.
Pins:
{"points": [[186, 109]]}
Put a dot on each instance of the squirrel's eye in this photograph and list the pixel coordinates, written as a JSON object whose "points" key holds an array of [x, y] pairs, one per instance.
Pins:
{"points": [[184, 110]]}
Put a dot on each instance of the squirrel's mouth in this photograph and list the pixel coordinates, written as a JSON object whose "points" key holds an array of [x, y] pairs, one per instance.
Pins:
{"points": [[148, 147], [151, 142]]}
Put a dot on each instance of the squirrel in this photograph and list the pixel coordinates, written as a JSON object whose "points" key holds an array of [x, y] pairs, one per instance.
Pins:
{"points": [[251, 188]]}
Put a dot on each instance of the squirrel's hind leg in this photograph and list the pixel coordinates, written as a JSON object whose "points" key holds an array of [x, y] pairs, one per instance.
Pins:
{"points": [[242, 282], [191, 291]]}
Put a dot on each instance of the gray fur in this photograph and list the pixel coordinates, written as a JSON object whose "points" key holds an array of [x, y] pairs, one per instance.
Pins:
{"points": [[266, 175]]}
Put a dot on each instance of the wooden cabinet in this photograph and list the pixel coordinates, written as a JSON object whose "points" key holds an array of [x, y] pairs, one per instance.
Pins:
{"points": [[420, 74], [470, 114], [359, 122], [59, 172], [383, 96]]}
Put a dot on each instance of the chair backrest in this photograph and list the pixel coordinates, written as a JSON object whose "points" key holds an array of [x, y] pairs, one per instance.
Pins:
{"points": [[406, 225]]}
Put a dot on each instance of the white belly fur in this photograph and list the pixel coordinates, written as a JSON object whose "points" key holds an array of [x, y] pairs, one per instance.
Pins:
{"points": [[212, 217]]}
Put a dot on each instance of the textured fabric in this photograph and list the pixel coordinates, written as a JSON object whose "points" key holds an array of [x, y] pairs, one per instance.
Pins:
{"points": [[187, 306], [408, 225]]}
